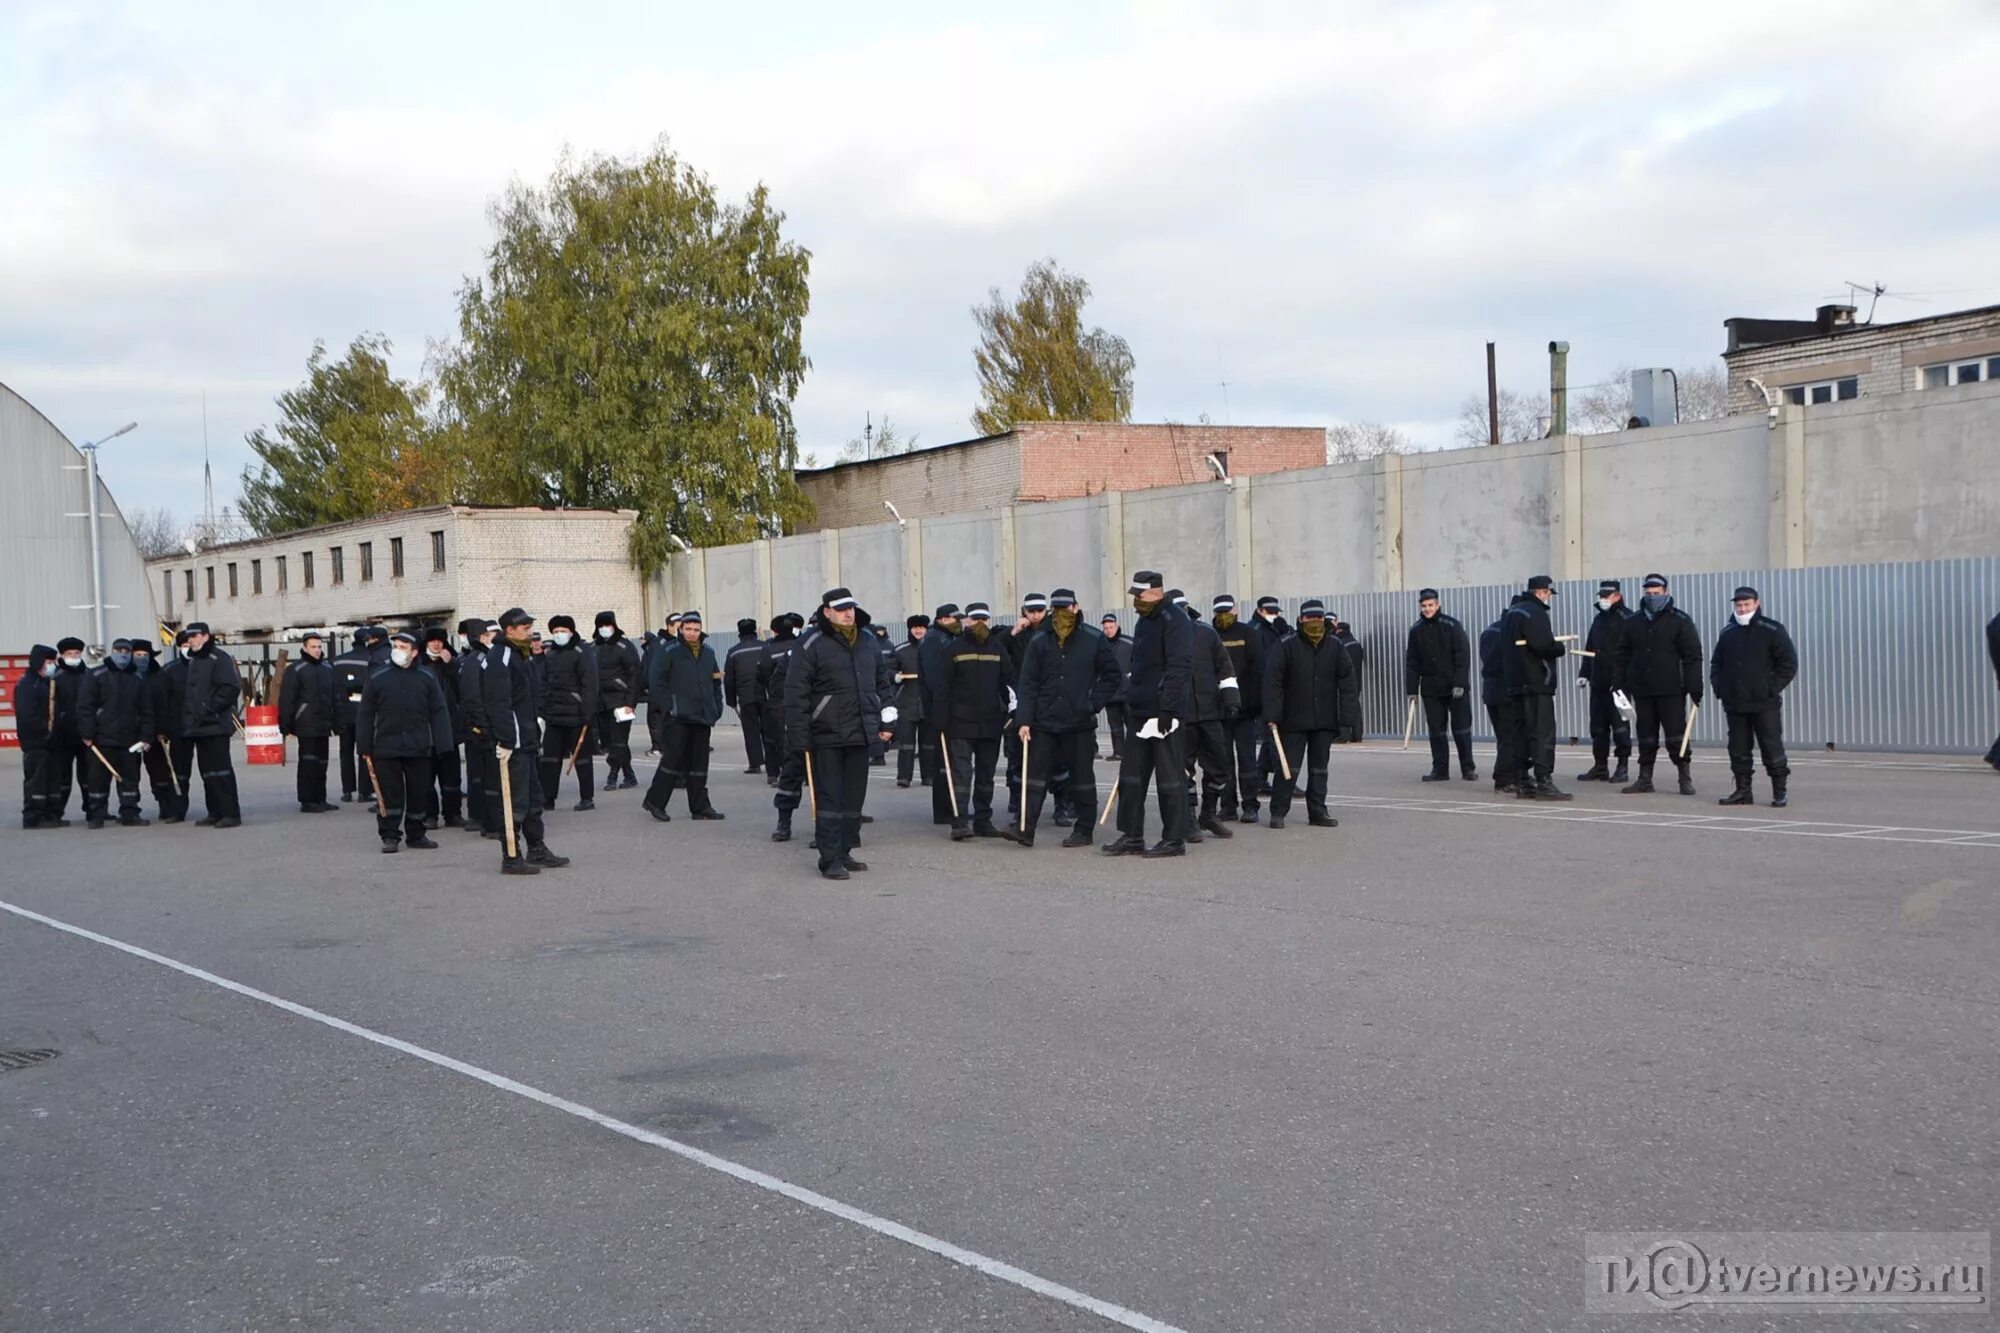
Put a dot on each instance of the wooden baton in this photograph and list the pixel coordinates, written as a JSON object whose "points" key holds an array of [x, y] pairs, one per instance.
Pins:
{"points": [[1284, 763], [381, 806]]}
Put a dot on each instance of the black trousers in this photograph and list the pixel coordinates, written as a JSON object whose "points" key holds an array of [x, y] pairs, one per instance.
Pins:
{"points": [[683, 763], [447, 798], [405, 797], [910, 756], [1209, 747], [45, 781], [656, 726], [1659, 713], [840, 776], [97, 783], [354, 778], [1147, 763], [930, 740], [1063, 760], [1442, 711], [1246, 735], [208, 757], [1506, 715], [557, 743], [1535, 736], [1608, 727], [1306, 752], [169, 788], [59, 777], [524, 774], [1114, 721], [616, 739], [752, 718], [1767, 730], [311, 777], [482, 769], [972, 765]]}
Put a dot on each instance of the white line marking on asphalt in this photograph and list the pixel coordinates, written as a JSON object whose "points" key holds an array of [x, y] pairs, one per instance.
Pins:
{"points": [[1941, 764], [944, 1249]]}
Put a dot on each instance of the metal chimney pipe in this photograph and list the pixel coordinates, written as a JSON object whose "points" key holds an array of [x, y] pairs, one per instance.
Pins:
{"points": [[1558, 388]]}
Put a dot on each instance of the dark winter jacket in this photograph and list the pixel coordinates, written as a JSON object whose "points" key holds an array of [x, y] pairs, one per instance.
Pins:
{"points": [[209, 691], [972, 686], [834, 693], [471, 703], [569, 685], [1993, 644], [1245, 647], [1438, 659], [1065, 683], [1528, 648], [1302, 684], [31, 700], [67, 686], [1016, 645], [1121, 649], [620, 681], [908, 661], [1217, 695], [402, 714], [1274, 632], [930, 661], [445, 673], [774, 667], [686, 685], [1492, 664], [1161, 679], [506, 696], [164, 695], [1660, 655], [739, 673], [305, 699], [350, 675], [115, 709], [1607, 633], [1752, 664]]}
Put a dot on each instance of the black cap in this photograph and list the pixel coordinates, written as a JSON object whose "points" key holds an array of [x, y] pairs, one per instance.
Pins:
{"points": [[1541, 581], [1310, 607], [673, 618], [436, 634], [1062, 597], [1222, 602], [1177, 597], [948, 611], [780, 621], [376, 633], [121, 645], [514, 616], [1655, 581], [836, 599], [193, 627], [310, 635], [1427, 594], [978, 611], [687, 616], [403, 636], [1035, 601], [1609, 585], [561, 622], [1146, 578], [607, 618], [1746, 591], [472, 626], [917, 621], [1269, 604], [746, 626], [1108, 618]]}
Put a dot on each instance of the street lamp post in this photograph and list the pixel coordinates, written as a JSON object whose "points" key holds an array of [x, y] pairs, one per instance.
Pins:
{"points": [[97, 534]]}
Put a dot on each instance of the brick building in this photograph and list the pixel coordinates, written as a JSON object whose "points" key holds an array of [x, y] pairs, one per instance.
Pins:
{"points": [[1051, 460], [1830, 358], [405, 570]]}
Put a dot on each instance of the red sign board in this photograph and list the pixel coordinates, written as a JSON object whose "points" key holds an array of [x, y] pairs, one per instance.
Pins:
{"points": [[10, 672]]}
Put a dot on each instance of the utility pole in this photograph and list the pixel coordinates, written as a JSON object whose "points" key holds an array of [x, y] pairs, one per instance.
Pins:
{"points": [[97, 534], [1558, 389], [1492, 399]]}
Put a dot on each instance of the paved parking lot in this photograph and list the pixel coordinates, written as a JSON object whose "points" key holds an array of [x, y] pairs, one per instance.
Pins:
{"points": [[1385, 1076]]}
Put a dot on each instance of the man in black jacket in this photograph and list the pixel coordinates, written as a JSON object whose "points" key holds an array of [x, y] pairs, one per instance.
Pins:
{"points": [[1499, 707], [510, 704], [350, 675], [974, 696], [1659, 668], [774, 671], [1352, 728], [402, 724], [64, 744], [1114, 712], [1272, 628], [1217, 701], [1599, 675], [685, 685], [1302, 700], [911, 756], [569, 702], [1159, 703], [833, 707], [931, 736], [740, 691], [1014, 641], [1437, 666], [1529, 652], [306, 713], [1754, 661], [619, 683], [34, 718], [1993, 654], [167, 799], [444, 797], [169, 690], [1245, 646], [115, 723], [207, 692], [482, 769], [1067, 675]]}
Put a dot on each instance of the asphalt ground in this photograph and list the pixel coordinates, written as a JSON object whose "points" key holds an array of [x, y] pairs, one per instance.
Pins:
{"points": [[1384, 1076]]}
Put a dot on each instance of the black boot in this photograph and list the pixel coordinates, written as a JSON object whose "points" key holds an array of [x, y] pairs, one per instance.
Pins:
{"points": [[540, 855], [1643, 783], [1216, 828], [1438, 775], [1597, 772], [1686, 769], [1742, 794], [783, 833], [1125, 845], [518, 865], [1778, 781], [1546, 790], [1623, 772]]}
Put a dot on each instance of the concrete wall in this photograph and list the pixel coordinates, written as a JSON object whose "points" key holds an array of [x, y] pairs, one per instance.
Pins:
{"points": [[872, 558], [1059, 545], [962, 563], [1180, 532], [1913, 477], [975, 474], [1697, 499]]}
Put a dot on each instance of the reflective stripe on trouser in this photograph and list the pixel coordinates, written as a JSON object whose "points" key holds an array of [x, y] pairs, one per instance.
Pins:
{"points": [[1657, 713], [310, 784], [97, 783], [1307, 753], [972, 765], [683, 762], [1145, 763], [1767, 730], [840, 775], [208, 758], [404, 798], [1440, 713], [1245, 735], [1063, 760], [557, 744], [1608, 727]]}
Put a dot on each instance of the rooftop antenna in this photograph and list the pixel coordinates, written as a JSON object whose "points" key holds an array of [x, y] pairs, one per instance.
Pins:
{"points": [[1222, 382], [207, 478], [867, 435], [1876, 291]]}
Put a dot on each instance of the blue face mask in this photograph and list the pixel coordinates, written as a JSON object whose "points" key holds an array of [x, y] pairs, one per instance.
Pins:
{"points": [[121, 660], [142, 662], [1655, 602]]}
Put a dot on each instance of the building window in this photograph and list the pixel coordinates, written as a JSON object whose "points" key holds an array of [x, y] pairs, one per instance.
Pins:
{"points": [[232, 578], [336, 564], [167, 578], [188, 586], [367, 561], [210, 571], [306, 567], [437, 551], [1959, 372], [1826, 391], [395, 557], [256, 578], [283, 582]]}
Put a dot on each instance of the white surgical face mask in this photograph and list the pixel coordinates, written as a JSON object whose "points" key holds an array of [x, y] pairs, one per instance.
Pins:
{"points": [[606, 631], [561, 637], [401, 656], [1604, 603], [72, 659], [50, 667], [1745, 617]]}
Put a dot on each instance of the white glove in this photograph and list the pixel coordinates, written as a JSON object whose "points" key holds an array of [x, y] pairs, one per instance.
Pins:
{"points": [[888, 715], [1151, 731], [138, 747], [1012, 702], [624, 714], [1622, 700]]}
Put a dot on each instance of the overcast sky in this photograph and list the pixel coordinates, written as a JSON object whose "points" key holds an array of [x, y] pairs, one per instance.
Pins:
{"points": [[1328, 206]]}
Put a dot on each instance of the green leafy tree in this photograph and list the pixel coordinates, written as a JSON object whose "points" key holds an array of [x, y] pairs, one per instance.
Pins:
{"points": [[351, 441], [635, 343], [1036, 362]]}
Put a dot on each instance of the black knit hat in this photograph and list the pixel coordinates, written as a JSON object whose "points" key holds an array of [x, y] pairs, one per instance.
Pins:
{"points": [[607, 618], [780, 622], [917, 621], [310, 635]]}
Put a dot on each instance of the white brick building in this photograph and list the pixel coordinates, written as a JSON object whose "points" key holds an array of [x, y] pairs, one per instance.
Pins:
{"points": [[1830, 358], [421, 566]]}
